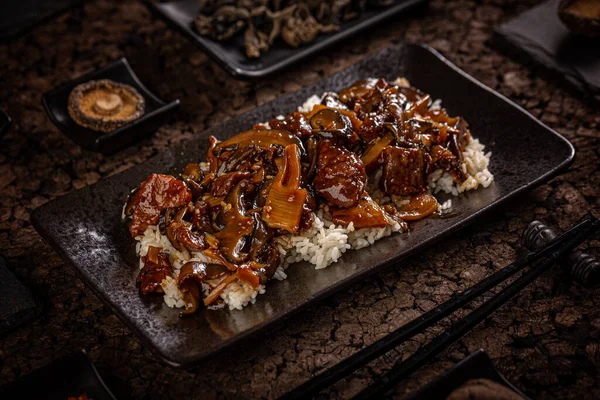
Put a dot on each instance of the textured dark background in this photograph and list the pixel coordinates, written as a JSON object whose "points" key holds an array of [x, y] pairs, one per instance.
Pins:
{"points": [[545, 340]]}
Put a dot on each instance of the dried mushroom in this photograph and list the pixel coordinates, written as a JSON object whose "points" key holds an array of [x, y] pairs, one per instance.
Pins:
{"points": [[581, 16], [263, 22], [105, 105]]}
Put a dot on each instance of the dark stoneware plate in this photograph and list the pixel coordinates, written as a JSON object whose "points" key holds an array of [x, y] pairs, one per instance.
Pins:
{"points": [[231, 54], [70, 376], [476, 366], [85, 229], [156, 113]]}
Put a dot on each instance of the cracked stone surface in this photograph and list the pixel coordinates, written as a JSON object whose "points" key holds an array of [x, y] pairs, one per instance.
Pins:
{"points": [[545, 340]]}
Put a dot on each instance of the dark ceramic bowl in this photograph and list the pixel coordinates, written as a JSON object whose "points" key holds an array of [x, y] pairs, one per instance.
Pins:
{"points": [[5, 122], [476, 366], [231, 55], [157, 111], [70, 376]]}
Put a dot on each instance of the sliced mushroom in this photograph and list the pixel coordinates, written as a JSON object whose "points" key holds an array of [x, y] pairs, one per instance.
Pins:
{"points": [[285, 201], [263, 138], [372, 155], [330, 123], [192, 282], [237, 227]]}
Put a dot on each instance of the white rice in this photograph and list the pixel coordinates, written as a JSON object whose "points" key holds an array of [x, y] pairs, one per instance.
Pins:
{"points": [[324, 242], [475, 167]]}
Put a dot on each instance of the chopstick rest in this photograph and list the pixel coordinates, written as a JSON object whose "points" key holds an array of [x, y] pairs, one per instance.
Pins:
{"points": [[584, 267]]}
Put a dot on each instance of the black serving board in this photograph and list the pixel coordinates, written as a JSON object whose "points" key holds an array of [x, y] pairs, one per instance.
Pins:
{"points": [[538, 35], [71, 376], [231, 54], [476, 366], [84, 226], [155, 114]]}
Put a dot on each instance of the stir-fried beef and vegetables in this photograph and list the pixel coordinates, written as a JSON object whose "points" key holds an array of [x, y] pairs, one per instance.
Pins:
{"points": [[370, 140]]}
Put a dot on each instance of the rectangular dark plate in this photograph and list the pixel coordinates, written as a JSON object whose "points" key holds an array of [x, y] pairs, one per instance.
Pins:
{"points": [[477, 365], [155, 114], [231, 54], [85, 229]]}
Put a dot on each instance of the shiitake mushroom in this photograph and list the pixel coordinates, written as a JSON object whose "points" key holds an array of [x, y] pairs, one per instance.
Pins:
{"points": [[581, 16], [330, 123], [105, 105]]}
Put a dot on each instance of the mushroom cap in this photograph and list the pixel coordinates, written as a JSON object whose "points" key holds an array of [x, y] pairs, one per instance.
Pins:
{"points": [[104, 105], [581, 16]]}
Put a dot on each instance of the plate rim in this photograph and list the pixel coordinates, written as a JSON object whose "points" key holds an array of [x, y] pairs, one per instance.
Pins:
{"points": [[182, 361]]}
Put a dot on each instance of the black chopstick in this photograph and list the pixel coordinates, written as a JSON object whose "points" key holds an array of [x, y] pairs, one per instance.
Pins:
{"points": [[401, 370], [380, 347]]}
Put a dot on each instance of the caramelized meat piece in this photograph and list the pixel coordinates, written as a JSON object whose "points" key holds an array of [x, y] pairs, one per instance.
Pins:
{"points": [[443, 158], [404, 171], [155, 194], [366, 214], [364, 97], [295, 123], [156, 268], [224, 183], [341, 176], [377, 125]]}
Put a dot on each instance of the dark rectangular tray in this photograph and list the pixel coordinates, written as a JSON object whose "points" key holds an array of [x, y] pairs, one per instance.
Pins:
{"points": [[85, 226], [231, 55]]}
